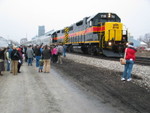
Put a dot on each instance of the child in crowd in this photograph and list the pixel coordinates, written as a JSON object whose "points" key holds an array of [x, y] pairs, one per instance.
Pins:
{"points": [[41, 63]]}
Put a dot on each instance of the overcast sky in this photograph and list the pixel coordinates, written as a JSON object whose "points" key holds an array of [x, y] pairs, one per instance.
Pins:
{"points": [[21, 18]]}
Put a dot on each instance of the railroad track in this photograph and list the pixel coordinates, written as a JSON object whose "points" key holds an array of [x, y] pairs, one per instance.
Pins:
{"points": [[143, 61], [139, 60]]}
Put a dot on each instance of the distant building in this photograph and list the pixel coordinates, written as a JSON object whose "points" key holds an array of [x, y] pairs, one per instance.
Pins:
{"points": [[41, 30]]}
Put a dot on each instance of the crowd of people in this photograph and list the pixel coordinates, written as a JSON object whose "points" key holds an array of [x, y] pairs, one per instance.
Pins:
{"points": [[11, 59], [44, 55]]}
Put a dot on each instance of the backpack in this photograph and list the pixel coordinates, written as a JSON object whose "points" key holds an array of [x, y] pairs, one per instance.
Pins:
{"points": [[16, 55]]}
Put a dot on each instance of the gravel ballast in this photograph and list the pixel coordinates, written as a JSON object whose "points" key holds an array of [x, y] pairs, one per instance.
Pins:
{"points": [[103, 79], [139, 71]]}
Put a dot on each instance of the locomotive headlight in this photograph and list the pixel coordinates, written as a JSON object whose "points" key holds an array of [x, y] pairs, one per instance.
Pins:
{"points": [[109, 15], [127, 44], [124, 38], [109, 43]]}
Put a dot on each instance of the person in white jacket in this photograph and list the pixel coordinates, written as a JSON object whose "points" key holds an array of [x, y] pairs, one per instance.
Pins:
{"points": [[60, 52], [8, 59]]}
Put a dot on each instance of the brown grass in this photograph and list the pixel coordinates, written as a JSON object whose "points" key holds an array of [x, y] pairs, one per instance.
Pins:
{"points": [[143, 53]]}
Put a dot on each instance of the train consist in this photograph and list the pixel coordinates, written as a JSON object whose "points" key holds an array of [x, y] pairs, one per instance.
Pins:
{"points": [[46, 40], [101, 33], [3, 42], [7, 43], [38, 40]]}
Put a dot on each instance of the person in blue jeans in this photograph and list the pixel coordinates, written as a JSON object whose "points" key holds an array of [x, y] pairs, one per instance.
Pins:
{"points": [[30, 55], [130, 59], [127, 70], [64, 50], [38, 54], [41, 65]]}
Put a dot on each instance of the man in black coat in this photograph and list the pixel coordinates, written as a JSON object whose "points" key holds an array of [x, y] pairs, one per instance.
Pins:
{"points": [[38, 53], [2, 51], [15, 56]]}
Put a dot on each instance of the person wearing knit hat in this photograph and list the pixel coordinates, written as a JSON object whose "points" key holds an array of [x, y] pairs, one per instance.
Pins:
{"points": [[130, 59], [130, 44]]}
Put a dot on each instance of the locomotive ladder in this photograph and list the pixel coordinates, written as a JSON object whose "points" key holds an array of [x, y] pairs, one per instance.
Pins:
{"points": [[66, 39]]}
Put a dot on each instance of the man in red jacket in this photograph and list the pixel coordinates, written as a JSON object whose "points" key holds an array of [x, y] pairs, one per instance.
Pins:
{"points": [[130, 59]]}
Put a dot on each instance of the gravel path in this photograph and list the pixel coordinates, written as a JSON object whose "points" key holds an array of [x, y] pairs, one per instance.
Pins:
{"points": [[139, 71]]}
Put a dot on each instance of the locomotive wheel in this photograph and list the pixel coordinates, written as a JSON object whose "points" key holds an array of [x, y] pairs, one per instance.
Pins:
{"points": [[90, 51], [70, 49], [84, 49]]}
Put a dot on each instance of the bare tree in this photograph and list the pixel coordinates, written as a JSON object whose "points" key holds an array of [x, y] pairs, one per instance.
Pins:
{"points": [[140, 38], [145, 39]]}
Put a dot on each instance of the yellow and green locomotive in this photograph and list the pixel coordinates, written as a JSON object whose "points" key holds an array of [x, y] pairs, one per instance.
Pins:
{"points": [[101, 33]]}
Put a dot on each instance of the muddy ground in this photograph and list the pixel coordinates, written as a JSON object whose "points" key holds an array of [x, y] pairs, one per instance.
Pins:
{"points": [[106, 84]]}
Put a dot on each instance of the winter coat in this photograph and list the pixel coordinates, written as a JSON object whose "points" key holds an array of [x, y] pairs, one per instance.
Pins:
{"points": [[2, 54], [130, 53], [54, 51], [20, 52], [37, 52], [10, 50], [29, 53], [60, 49], [46, 54], [15, 55]]}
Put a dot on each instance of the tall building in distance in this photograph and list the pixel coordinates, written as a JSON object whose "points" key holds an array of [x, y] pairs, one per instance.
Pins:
{"points": [[41, 30]]}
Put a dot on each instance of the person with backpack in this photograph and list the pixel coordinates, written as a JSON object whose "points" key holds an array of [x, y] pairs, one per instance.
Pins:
{"points": [[15, 56]]}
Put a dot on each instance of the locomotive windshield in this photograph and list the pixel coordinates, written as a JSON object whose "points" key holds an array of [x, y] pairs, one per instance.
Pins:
{"points": [[105, 17]]}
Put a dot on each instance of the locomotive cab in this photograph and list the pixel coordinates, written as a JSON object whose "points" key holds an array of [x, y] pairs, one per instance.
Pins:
{"points": [[112, 39], [115, 39]]}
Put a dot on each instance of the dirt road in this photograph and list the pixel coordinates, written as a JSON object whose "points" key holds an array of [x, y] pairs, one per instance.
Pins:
{"points": [[106, 84], [33, 92]]}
